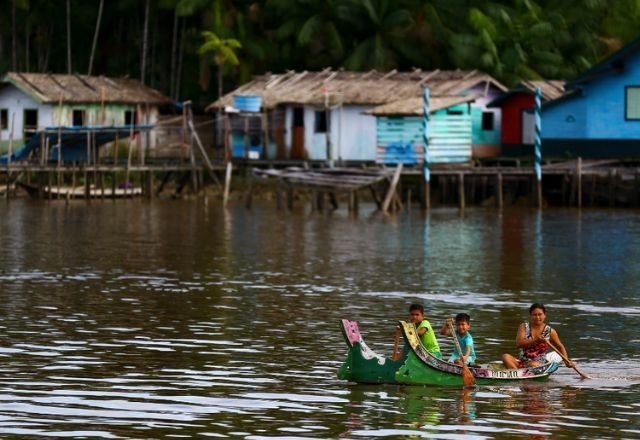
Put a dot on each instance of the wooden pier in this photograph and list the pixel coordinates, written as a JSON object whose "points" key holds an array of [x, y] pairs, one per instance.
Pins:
{"points": [[577, 183]]}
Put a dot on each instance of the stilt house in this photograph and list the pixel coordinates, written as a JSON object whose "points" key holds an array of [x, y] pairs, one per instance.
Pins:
{"points": [[599, 116], [30, 102], [518, 121], [323, 115]]}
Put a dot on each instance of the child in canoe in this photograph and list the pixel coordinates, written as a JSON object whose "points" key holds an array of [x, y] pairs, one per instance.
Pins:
{"points": [[427, 336], [462, 325]]}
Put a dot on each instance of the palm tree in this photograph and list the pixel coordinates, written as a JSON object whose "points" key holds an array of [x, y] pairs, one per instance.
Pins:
{"points": [[223, 50]]}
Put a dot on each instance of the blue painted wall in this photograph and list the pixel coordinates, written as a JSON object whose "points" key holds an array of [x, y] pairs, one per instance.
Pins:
{"points": [[599, 113]]}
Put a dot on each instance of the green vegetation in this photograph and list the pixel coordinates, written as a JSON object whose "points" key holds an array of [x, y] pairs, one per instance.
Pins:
{"points": [[186, 42]]}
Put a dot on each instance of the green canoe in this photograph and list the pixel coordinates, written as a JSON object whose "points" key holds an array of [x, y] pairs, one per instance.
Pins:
{"points": [[363, 365], [422, 368]]}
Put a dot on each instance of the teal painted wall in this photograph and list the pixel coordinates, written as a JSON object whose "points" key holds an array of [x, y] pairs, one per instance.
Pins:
{"points": [[484, 137], [449, 136]]}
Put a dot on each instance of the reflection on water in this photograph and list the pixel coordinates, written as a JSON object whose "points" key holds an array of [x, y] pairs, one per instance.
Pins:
{"points": [[178, 318]]}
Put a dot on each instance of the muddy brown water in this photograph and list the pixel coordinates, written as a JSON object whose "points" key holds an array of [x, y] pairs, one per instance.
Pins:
{"points": [[179, 319]]}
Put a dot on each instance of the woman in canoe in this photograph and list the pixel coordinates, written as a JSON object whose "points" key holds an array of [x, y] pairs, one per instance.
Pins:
{"points": [[532, 340]]}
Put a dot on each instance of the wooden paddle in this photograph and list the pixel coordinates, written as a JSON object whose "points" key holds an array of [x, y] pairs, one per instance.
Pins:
{"points": [[467, 376], [396, 355], [566, 359]]}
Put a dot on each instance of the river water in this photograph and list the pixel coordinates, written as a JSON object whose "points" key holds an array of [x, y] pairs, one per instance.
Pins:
{"points": [[179, 319]]}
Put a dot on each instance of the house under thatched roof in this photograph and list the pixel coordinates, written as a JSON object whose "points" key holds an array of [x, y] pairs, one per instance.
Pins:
{"points": [[549, 90], [355, 88], [53, 88]]}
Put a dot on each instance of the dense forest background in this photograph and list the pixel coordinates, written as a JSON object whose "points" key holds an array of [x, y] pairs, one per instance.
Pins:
{"points": [[160, 41]]}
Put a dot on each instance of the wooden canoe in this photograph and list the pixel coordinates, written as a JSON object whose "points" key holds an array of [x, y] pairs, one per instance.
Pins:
{"points": [[422, 368], [362, 364]]}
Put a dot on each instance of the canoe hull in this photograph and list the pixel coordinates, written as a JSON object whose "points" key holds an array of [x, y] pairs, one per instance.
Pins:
{"points": [[362, 364], [422, 368]]}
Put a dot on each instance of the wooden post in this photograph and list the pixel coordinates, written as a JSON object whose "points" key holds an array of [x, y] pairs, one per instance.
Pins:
{"points": [[376, 197], [227, 183], [73, 180], [333, 200], [579, 183], [612, 187], [499, 192], [9, 154], [539, 192], [409, 199], [290, 197], [249, 194], [392, 189], [114, 185], [87, 183], [592, 193], [279, 194], [461, 190], [50, 185], [636, 188]]}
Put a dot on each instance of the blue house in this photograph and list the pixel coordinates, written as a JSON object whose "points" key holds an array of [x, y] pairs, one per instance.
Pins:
{"points": [[600, 114]]}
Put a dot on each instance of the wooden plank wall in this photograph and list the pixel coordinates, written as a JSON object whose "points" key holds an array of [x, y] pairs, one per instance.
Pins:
{"points": [[450, 139]]}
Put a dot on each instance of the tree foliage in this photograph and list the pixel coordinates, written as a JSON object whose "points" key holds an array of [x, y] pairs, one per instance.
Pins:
{"points": [[510, 39]]}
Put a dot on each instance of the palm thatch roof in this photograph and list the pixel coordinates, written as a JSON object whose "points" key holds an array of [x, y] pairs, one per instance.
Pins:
{"points": [[53, 88], [355, 88], [549, 90], [414, 106]]}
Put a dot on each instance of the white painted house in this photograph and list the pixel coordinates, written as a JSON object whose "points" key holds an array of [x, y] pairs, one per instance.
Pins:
{"points": [[322, 115], [34, 101]]}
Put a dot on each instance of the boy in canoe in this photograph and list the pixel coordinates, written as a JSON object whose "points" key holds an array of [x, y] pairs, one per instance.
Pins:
{"points": [[427, 336], [462, 325]]}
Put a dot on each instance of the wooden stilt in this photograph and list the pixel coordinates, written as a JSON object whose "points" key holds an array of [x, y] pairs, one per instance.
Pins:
{"points": [[73, 180], [408, 204], [499, 192], [290, 196], [376, 197], [539, 192], [461, 195], [333, 200], [612, 187], [227, 183], [592, 193], [248, 199], [114, 182], [636, 188], [579, 183], [392, 189], [278, 189]]}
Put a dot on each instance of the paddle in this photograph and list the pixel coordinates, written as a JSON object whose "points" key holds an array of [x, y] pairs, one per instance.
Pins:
{"points": [[396, 355], [566, 359], [467, 376]]}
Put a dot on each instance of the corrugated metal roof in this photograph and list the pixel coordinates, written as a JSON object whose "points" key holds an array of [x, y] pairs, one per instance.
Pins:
{"points": [[355, 88], [414, 106], [52, 88]]}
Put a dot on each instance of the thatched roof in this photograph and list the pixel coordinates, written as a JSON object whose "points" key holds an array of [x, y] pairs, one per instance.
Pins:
{"points": [[414, 106], [549, 89], [52, 88], [355, 88]]}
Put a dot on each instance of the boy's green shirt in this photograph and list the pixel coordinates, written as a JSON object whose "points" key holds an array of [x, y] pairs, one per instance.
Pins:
{"points": [[428, 338]]}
